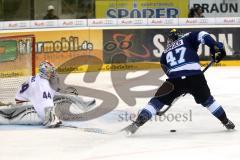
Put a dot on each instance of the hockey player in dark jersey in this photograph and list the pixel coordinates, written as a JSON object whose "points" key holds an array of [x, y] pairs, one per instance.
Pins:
{"points": [[180, 62]]}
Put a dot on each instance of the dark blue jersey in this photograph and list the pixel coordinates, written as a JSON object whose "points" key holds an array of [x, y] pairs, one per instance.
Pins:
{"points": [[180, 58]]}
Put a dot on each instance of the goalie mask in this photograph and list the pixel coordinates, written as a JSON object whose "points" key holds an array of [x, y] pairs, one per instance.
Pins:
{"points": [[47, 70]]}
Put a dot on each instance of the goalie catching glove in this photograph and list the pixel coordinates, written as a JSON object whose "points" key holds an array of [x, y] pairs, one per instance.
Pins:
{"points": [[218, 52], [51, 120]]}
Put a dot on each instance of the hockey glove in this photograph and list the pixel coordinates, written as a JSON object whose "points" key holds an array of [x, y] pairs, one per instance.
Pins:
{"points": [[218, 52]]}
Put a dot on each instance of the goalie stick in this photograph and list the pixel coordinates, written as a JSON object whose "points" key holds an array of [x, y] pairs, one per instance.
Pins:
{"points": [[91, 130]]}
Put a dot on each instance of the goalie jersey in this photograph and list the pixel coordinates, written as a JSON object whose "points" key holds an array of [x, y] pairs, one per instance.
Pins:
{"points": [[180, 57], [38, 91]]}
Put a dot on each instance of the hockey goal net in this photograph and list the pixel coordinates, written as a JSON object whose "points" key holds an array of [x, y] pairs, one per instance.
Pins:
{"points": [[17, 63]]}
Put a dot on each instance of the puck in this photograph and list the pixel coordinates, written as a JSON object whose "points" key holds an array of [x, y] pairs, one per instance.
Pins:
{"points": [[172, 130]]}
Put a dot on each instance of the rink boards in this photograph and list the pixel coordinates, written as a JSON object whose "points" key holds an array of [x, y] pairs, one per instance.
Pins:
{"points": [[86, 49]]}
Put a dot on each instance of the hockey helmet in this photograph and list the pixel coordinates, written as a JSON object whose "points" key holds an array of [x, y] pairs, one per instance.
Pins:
{"points": [[174, 35], [47, 70]]}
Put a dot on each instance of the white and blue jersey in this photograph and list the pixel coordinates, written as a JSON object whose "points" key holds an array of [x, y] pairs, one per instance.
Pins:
{"points": [[180, 57], [38, 91]]}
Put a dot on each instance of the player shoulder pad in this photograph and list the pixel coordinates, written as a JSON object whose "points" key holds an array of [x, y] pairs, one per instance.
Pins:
{"points": [[186, 34], [201, 36]]}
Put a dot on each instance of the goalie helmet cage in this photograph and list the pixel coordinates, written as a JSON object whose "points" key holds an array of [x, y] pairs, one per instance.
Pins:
{"points": [[17, 63]]}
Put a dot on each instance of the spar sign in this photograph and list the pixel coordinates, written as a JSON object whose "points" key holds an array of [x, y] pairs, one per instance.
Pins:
{"points": [[141, 9], [218, 8]]}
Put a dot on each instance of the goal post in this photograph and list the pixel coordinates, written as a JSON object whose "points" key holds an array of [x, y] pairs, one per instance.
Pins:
{"points": [[17, 62]]}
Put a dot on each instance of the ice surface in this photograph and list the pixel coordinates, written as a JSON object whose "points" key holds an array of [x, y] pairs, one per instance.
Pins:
{"points": [[200, 137]]}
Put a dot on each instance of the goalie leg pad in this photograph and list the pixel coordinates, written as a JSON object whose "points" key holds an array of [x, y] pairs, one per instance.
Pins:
{"points": [[25, 115], [78, 101]]}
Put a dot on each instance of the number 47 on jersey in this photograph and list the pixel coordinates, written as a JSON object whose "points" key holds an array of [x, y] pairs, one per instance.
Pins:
{"points": [[171, 56]]}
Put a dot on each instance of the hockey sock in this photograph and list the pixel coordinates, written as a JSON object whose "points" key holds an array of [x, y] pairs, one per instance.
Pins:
{"points": [[216, 109], [149, 110]]}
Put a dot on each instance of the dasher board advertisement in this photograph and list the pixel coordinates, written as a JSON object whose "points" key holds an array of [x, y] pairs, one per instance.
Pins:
{"points": [[141, 9], [218, 8]]}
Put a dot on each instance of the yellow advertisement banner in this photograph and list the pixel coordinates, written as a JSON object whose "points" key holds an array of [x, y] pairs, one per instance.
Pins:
{"points": [[138, 66], [61, 46], [141, 8]]}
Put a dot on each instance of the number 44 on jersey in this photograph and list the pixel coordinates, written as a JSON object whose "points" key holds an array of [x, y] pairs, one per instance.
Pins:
{"points": [[47, 95]]}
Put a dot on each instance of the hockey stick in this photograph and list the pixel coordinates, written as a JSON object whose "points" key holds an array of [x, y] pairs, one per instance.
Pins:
{"points": [[160, 113], [209, 65], [91, 130]]}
